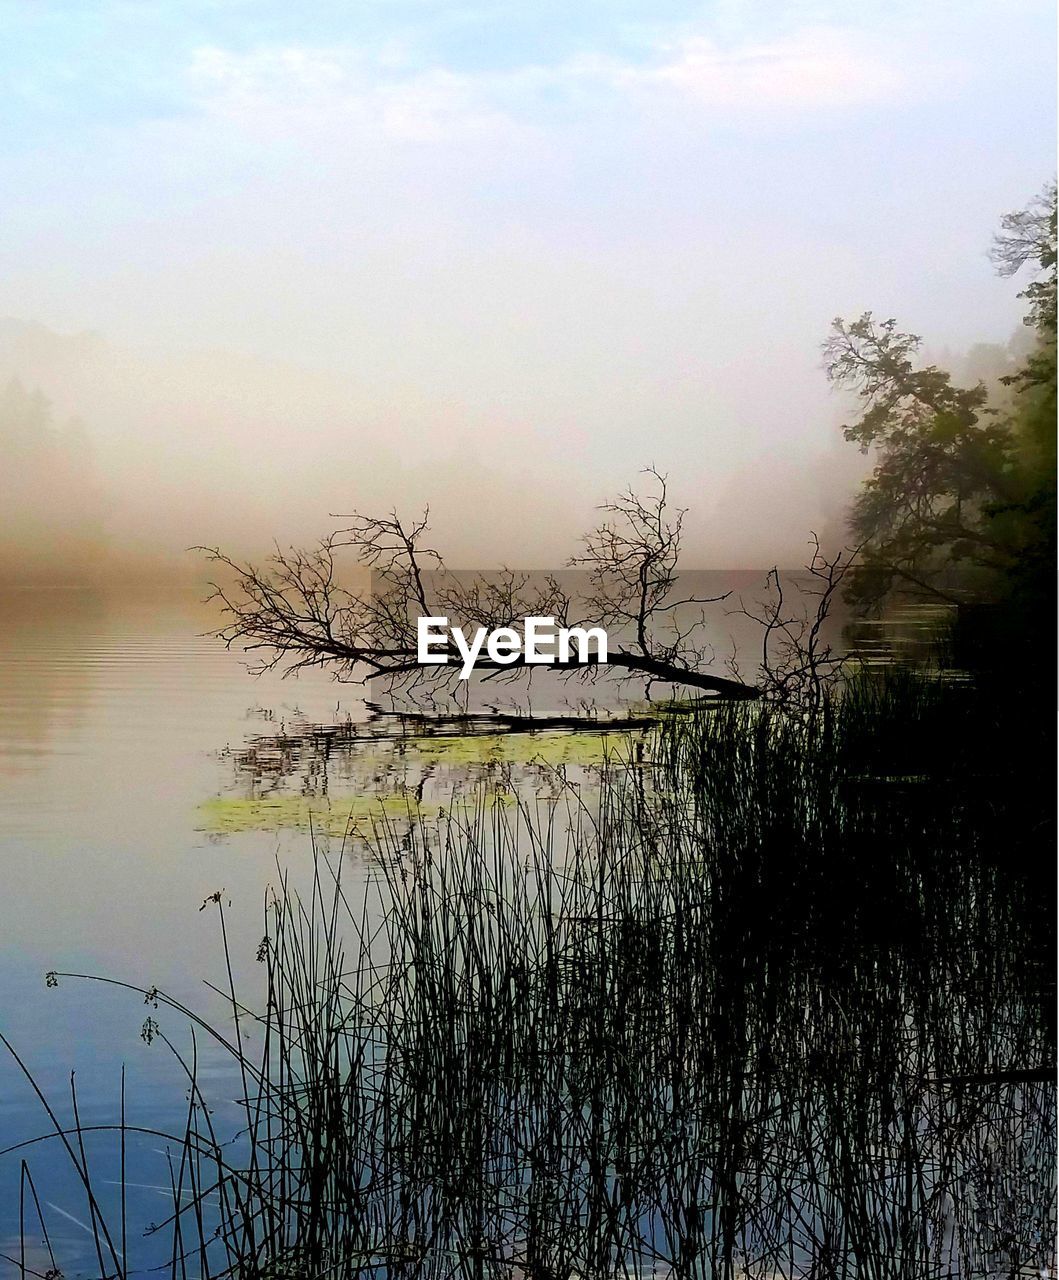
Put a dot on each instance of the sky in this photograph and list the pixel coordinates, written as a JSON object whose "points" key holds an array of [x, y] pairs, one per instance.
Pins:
{"points": [[286, 260]]}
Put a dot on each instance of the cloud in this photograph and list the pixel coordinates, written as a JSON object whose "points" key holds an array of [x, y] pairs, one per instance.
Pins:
{"points": [[291, 89], [812, 69]]}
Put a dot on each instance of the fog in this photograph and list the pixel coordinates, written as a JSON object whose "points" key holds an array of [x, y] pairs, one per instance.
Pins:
{"points": [[266, 275], [137, 459]]}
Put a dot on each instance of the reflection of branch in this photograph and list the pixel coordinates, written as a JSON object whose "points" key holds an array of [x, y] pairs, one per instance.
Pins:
{"points": [[489, 724]]}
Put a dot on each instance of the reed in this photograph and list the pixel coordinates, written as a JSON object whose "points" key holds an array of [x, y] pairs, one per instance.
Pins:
{"points": [[773, 1003]]}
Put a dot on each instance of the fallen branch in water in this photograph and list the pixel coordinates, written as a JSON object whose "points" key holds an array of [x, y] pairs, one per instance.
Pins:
{"points": [[294, 613]]}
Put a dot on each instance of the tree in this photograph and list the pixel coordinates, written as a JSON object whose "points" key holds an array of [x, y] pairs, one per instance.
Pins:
{"points": [[294, 611], [51, 507], [959, 484]]}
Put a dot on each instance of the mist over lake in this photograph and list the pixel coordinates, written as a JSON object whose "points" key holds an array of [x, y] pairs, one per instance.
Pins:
{"points": [[341, 938]]}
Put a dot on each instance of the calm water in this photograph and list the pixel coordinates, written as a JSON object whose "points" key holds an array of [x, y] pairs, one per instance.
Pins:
{"points": [[114, 717], [143, 769], [139, 773]]}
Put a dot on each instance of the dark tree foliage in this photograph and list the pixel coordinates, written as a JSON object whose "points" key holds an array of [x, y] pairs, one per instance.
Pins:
{"points": [[961, 503]]}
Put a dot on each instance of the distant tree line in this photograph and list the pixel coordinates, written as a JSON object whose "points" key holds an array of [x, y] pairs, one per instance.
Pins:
{"points": [[51, 504]]}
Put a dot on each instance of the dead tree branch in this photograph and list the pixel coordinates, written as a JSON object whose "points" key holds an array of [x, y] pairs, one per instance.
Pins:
{"points": [[292, 612]]}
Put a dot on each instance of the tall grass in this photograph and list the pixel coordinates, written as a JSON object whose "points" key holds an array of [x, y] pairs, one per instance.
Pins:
{"points": [[776, 1005]]}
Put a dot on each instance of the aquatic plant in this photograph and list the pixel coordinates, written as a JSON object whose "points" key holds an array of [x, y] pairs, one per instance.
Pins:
{"points": [[777, 1007]]}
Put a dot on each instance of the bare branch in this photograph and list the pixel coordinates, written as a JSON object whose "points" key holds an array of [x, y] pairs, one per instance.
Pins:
{"points": [[292, 612]]}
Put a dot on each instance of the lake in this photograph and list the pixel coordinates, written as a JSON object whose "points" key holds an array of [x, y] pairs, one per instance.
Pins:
{"points": [[139, 775], [144, 770]]}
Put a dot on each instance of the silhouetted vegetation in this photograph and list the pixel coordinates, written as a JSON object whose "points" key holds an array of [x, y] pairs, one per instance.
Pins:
{"points": [[961, 503], [779, 1003], [296, 611]]}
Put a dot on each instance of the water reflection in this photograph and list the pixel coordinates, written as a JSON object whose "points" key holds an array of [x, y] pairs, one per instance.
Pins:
{"points": [[46, 641], [112, 711], [143, 770], [332, 778], [782, 1015]]}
